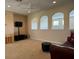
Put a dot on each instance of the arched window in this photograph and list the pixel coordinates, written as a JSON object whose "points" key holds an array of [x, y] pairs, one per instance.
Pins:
{"points": [[34, 24], [44, 22], [58, 21], [71, 20]]}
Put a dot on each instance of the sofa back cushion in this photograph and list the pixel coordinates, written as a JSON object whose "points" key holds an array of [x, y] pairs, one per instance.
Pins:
{"points": [[70, 39]]}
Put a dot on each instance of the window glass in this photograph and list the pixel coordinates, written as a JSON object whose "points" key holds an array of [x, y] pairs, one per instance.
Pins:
{"points": [[34, 24], [44, 22], [71, 20], [58, 21]]}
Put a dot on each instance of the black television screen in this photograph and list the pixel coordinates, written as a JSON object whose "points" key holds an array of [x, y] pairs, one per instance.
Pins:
{"points": [[18, 24]]}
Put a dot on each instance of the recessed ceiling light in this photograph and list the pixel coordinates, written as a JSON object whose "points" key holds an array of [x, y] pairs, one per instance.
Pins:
{"points": [[9, 6], [54, 2], [29, 11]]}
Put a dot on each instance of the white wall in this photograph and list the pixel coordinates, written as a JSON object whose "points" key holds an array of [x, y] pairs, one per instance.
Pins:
{"points": [[51, 35]]}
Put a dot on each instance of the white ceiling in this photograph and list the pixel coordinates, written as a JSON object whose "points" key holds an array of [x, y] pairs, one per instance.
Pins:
{"points": [[32, 5]]}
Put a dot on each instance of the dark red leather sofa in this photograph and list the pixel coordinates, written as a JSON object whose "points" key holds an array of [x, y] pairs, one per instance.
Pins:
{"points": [[65, 51], [58, 52]]}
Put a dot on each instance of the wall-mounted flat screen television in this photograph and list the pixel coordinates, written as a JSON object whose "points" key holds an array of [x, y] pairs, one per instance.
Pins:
{"points": [[18, 24]]}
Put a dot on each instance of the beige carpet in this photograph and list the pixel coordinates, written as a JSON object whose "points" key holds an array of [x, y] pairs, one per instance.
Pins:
{"points": [[25, 49]]}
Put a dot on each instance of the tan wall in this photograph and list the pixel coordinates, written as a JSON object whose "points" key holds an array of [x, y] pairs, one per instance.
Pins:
{"points": [[23, 19], [9, 25], [51, 35], [10, 18]]}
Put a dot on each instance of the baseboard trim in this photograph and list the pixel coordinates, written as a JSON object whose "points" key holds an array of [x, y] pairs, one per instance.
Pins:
{"points": [[53, 42]]}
